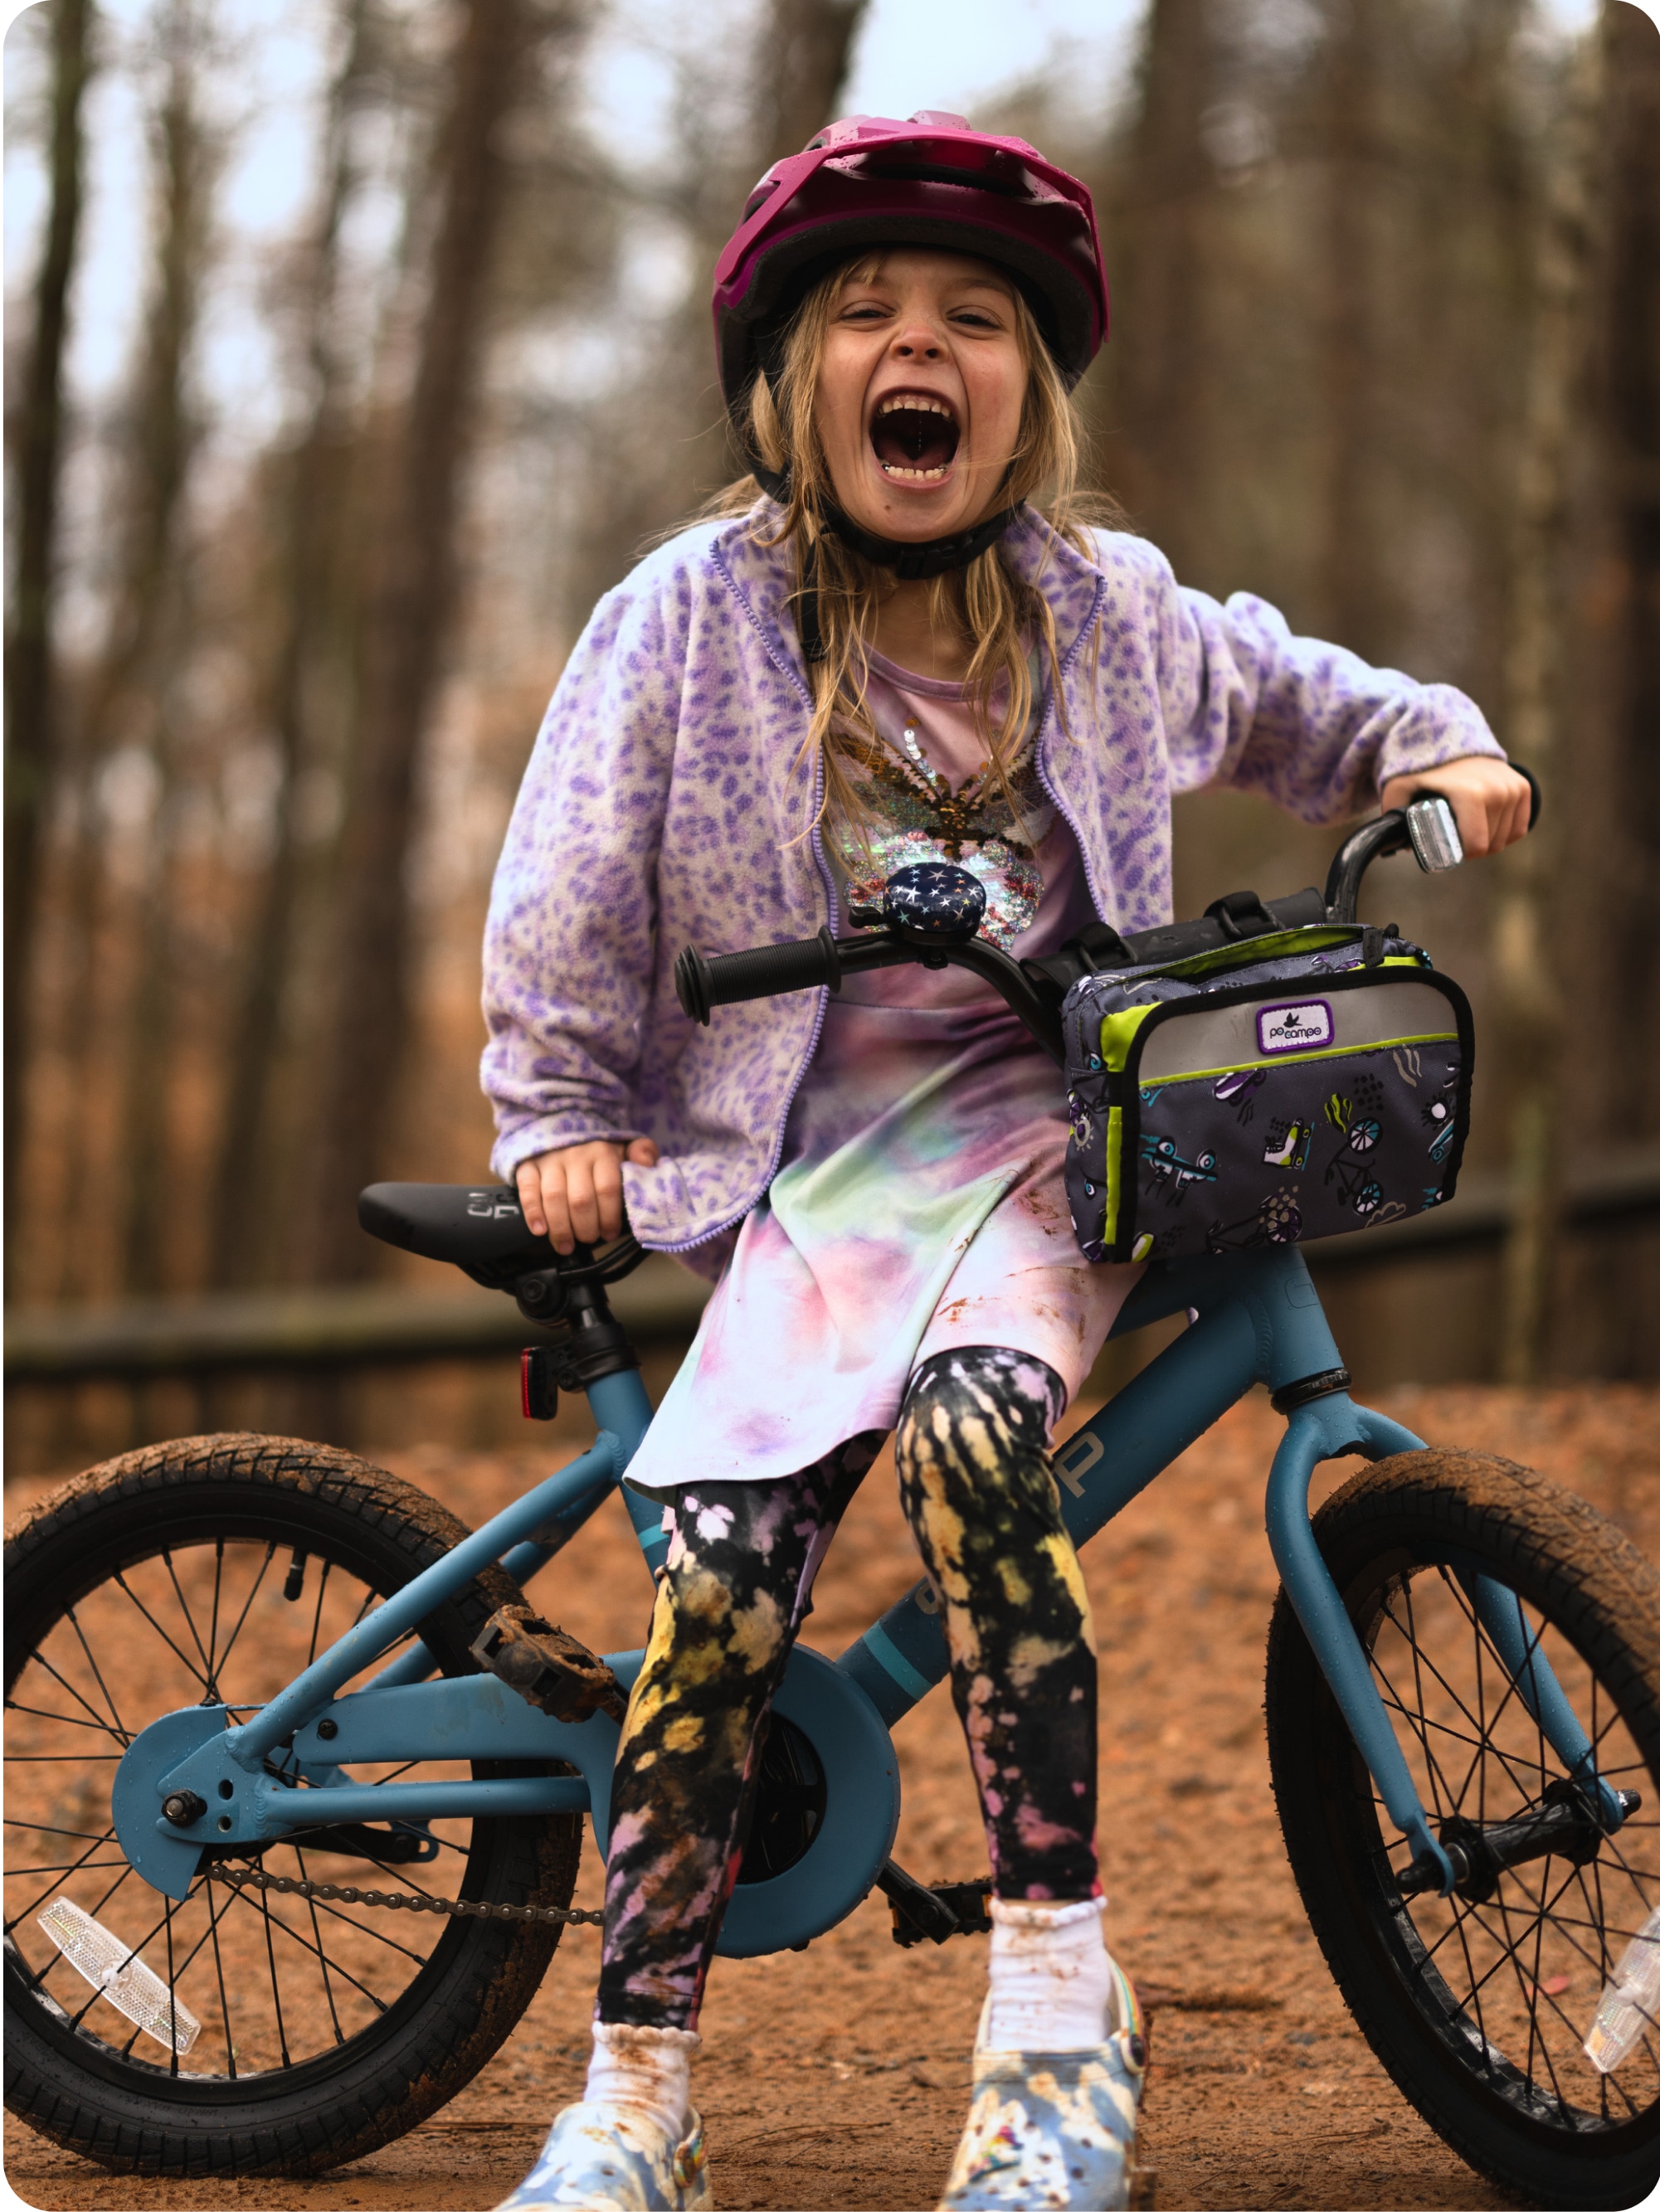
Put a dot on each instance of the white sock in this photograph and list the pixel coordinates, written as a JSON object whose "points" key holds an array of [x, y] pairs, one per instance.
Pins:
{"points": [[1051, 1979], [648, 2069]]}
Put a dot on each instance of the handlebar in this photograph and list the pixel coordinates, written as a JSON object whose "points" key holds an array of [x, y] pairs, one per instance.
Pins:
{"points": [[766, 971], [932, 912]]}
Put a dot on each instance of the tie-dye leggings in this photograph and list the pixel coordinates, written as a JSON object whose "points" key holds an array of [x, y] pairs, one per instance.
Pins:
{"points": [[977, 1489]]}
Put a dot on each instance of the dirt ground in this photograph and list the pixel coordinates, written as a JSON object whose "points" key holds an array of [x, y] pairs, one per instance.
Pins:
{"points": [[836, 2077]]}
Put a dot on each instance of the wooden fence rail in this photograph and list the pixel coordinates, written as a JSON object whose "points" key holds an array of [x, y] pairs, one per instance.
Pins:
{"points": [[268, 1332]]}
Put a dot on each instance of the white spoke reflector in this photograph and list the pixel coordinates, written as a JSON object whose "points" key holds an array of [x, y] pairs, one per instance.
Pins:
{"points": [[102, 1958], [1630, 2001]]}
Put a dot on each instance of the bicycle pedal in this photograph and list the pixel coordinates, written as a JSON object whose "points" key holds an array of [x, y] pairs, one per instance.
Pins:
{"points": [[548, 1668], [933, 1912]]}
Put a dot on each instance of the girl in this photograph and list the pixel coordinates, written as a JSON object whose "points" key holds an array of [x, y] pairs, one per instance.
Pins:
{"points": [[881, 651]]}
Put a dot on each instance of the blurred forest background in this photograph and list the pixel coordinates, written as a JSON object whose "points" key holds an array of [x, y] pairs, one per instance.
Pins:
{"points": [[1386, 349]]}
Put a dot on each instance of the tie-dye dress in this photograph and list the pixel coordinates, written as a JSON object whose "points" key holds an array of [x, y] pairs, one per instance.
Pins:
{"points": [[919, 1202]]}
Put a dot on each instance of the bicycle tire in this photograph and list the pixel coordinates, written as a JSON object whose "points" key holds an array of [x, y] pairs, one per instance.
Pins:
{"points": [[393, 2016], [1477, 2009]]}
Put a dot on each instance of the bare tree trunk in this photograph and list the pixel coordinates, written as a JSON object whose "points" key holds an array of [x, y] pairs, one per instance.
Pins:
{"points": [[1351, 105], [246, 1174], [803, 63], [1529, 997], [119, 697], [414, 597], [168, 435], [31, 733], [1630, 466], [1158, 445]]}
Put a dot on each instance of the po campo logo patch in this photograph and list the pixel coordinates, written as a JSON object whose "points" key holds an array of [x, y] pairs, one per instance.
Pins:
{"points": [[1294, 1029]]}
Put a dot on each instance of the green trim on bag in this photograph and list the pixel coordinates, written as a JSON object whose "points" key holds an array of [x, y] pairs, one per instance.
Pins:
{"points": [[1119, 1030], [1115, 1187], [1302, 1060], [1246, 951]]}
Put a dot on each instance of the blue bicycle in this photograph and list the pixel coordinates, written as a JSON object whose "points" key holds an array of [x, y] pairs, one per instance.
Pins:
{"points": [[247, 1677]]}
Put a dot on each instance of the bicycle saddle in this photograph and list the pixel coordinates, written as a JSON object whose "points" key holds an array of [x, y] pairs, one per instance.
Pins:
{"points": [[473, 1227]]}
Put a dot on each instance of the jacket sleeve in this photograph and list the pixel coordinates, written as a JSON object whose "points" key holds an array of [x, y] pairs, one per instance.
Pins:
{"points": [[1310, 725], [568, 946]]}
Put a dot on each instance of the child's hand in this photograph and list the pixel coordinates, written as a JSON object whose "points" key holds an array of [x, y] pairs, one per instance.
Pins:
{"points": [[1490, 802], [575, 1195]]}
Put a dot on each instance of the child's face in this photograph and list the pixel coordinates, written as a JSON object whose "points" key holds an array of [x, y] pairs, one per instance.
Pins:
{"points": [[937, 330]]}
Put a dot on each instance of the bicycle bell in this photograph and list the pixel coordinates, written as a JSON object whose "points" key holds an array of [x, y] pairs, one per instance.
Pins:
{"points": [[933, 904]]}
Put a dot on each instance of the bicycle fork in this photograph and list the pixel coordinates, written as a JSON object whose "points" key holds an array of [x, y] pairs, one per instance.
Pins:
{"points": [[1255, 1317]]}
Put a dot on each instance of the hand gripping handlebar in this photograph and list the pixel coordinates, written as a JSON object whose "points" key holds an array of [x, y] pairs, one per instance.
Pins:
{"points": [[930, 915]]}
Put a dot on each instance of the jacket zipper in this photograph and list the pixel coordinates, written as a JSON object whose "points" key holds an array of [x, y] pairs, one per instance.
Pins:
{"points": [[784, 668], [1050, 718]]}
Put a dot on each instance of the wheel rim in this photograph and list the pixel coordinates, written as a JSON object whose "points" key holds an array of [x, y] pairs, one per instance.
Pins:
{"points": [[1509, 1984], [281, 1985]]}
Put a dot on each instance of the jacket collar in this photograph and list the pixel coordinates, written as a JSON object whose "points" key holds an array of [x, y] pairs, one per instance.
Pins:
{"points": [[763, 575]]}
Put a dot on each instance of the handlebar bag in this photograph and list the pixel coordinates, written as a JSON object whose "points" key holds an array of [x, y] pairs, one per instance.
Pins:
{"points": [[1300, 1084]]}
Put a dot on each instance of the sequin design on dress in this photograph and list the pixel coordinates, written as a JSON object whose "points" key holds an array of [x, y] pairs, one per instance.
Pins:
{"points": [[918, 816]]}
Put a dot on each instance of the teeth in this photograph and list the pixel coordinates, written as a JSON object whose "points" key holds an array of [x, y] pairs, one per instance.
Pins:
{"points": [[917, 476], [916, 403]]}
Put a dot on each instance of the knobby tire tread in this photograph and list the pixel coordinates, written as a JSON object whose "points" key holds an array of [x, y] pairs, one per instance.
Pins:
{"points": [[1598, 1589], [502, 1962]]}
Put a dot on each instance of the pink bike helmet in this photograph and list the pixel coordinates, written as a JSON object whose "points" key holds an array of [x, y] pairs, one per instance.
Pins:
{"points": [[869, 181]]}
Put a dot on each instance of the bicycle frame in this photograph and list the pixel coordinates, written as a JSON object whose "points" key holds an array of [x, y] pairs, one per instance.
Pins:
{"points": [[1255, 1317]]}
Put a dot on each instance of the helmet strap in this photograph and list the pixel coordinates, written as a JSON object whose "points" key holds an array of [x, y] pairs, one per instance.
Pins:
{"points": [[911, 561]]}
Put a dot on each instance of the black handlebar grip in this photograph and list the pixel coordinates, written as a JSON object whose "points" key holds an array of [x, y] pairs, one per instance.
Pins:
{"points": [[762, 972], [1537, 796]]}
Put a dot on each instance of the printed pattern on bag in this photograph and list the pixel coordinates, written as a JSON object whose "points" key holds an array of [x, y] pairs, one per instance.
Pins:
{"points": [[1309, 1136]]}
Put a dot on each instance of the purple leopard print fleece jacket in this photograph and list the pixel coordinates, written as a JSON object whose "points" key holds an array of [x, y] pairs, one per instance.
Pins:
{"points": [[665, 802]]}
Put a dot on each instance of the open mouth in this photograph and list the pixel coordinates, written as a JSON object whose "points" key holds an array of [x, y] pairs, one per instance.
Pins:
{"points": [[914, 436]]}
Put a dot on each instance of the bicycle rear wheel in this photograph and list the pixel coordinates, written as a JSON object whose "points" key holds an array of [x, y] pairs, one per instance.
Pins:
{"points": [[1478, 2004], [209, 1571]]}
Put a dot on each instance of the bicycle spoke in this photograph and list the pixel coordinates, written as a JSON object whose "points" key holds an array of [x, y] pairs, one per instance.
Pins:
{"points": [[1475, 1993], [276, 1992], [317, 1617], [213, 1622], [1531, 1641], [120, 1730], [79, 1866], [219, 1971], [1528, 1985], [38, 1658], [189, 1617], [363, 1927], [38, 1828], [15, 1874], [316, 1929], [172, 1997], [345, 1973], [65, 1720], [121, 1585], [1438, 1779], [1419, 1721], [230, 1641]]}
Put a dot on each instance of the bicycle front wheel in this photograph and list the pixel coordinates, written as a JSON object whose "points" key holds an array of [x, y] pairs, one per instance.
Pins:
{"points": [[1479, 2004], [210, 1572]]}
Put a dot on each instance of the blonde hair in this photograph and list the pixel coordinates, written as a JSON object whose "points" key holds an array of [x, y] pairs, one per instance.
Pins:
{"points": [[986, 603]]}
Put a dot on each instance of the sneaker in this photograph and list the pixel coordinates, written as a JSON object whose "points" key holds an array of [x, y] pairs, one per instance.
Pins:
{"points": [[607, 2159], [1054, 2128]]}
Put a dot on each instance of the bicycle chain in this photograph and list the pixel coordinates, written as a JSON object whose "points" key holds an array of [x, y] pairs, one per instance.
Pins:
{"points": [[457, 1908]]}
